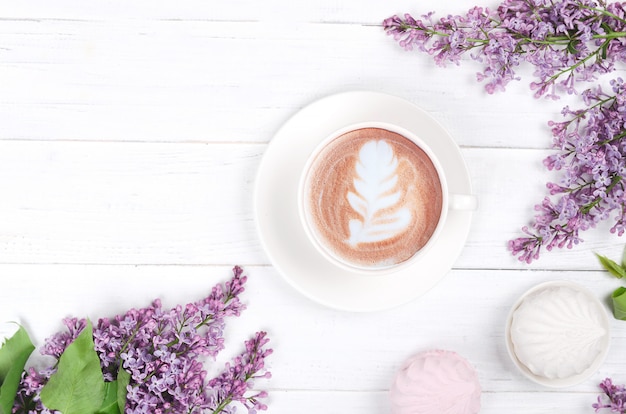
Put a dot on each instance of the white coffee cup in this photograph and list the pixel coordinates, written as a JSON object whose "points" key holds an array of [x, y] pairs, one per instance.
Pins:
{"points": [[373, 198]]}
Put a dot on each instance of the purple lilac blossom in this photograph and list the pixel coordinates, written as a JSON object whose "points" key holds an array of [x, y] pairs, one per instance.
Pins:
{"points": [[591, 157], [566, 41], [234, 382], [616, 395], [27, 400], [163, 350]]}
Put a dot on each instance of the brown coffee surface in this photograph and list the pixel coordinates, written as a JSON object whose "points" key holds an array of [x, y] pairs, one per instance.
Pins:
{"points": [[373, 197]]}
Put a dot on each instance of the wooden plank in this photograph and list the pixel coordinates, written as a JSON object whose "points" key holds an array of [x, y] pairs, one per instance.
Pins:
{"points": [[378, 402], [98, 202], [275, 11], [316, 348], [158, 203], [213, 81]]}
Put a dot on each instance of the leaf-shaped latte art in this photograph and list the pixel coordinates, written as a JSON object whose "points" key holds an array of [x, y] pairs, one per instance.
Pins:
{"points": [[376, 198]]}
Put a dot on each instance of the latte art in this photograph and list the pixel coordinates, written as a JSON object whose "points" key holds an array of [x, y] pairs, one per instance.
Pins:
{"points": [[372, 198], [377, 198]]}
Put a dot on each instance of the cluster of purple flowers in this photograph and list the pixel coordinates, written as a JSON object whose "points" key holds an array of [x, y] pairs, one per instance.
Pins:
{"points": [[592, 156], [566, 42], [616, 398], [162, 350]]}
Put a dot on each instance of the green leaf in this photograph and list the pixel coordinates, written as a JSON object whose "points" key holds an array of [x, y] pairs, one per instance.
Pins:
{"points": [[611, 266], [78, 386], [619, 303], [571, 46], [109, 405], [115, 394], [123, 379], [624, 258], [13, 356], [604, 50]]}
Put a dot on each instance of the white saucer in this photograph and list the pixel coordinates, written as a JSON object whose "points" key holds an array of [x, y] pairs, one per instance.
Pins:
{"points": [[276, 204]]}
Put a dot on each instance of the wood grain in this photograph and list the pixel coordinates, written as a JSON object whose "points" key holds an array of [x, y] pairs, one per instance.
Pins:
{"points": [[191, 204], [130, 138]]}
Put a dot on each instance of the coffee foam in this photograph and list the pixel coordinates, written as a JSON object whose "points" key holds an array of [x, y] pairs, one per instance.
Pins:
{"points": [[373, 197]]}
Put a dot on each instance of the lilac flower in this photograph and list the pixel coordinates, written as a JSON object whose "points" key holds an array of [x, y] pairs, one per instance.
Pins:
{"points": [[591, 155], [616, 398], [233, 384], [566, 41], [55, 345], [27, 399], [163, 350]]}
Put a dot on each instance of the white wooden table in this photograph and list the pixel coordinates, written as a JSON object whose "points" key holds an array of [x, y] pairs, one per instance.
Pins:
{"points": [[131, 133]]}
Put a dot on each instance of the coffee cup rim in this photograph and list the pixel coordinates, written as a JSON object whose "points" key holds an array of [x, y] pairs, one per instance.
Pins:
{"points": [[342, 263]]}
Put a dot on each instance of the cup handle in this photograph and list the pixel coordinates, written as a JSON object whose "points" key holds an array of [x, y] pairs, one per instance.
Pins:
{"points": [[462, 202]]}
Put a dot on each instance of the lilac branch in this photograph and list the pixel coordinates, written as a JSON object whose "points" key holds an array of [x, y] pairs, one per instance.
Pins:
{"points": [[163, 350]]}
